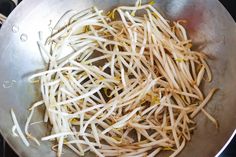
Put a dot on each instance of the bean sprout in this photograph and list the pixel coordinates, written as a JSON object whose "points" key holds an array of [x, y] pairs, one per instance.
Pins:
{"points": [[19, 131]]}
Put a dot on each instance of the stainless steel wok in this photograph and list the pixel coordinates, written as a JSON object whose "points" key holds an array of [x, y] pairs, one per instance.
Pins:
{"points": [[210, 26]]}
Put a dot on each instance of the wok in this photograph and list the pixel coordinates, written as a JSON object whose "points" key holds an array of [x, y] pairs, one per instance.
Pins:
{"points": [[209, 24]]}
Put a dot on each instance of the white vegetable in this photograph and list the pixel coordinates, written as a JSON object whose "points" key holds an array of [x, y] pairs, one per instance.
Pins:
{"points": [[16, 124]]}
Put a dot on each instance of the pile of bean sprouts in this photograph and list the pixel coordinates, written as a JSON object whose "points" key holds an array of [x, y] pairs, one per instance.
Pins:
{"points": [[123, 83]]}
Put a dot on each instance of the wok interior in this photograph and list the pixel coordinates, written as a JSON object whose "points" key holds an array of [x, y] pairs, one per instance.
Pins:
{"points": [[209, 25]]}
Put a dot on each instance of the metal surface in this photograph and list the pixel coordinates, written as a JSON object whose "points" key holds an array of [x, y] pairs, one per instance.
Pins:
{"points": [[210, 26]]}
